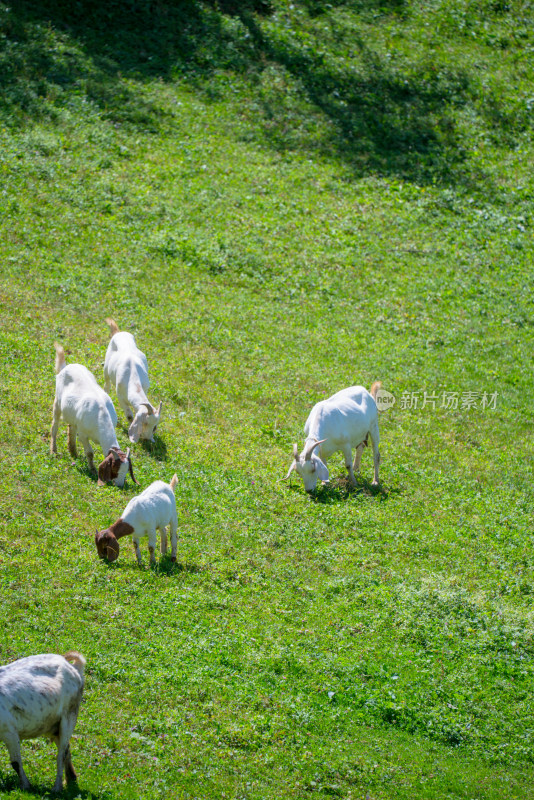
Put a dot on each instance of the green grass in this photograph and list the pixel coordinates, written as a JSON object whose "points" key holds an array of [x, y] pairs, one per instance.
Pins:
{"points": [[278, 201]]}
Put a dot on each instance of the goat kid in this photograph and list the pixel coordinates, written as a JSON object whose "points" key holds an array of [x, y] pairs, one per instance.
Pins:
{"points": [[153, 509], [90, 415], [126, 366], [341, 422], [40, 696]]}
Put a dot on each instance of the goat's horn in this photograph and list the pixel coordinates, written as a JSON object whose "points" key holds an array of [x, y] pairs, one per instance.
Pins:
{"points": [[158, 412], [130, 469], [127, 452], [310, 448], [291, 468], [295, 451]]}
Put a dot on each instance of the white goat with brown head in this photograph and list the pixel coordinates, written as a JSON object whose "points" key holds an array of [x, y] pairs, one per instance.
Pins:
{"points": [[90, 415], [341, 422], [127, 368], [150, 511]]}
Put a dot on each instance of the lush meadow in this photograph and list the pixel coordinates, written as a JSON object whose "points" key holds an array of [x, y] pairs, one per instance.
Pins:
{"points": [[279, 200]]}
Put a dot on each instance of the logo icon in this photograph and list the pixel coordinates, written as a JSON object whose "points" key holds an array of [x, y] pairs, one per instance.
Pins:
{"points": [[385, 400]]}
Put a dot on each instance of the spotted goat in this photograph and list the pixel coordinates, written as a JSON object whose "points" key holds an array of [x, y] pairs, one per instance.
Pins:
{"points": [[40, 696]]}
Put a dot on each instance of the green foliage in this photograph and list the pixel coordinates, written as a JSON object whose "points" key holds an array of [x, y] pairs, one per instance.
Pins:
{"points": [[278, 200]]}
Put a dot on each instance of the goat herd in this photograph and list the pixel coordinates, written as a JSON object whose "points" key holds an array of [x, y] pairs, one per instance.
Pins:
{"points": [[40, 695]]}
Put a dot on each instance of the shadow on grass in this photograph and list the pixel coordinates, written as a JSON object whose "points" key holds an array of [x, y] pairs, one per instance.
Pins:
{"points": [[163, 567], [10, 783], [384, 117], [340, 489], [157, 449], [167, 567]]}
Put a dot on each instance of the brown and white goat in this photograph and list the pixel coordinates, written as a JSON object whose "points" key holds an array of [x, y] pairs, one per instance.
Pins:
{"points": [[90, 415], [150, 511]]}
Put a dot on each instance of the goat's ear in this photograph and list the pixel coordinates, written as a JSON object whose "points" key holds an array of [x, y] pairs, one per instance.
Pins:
{"points": [[105, 470], [112, 550]]}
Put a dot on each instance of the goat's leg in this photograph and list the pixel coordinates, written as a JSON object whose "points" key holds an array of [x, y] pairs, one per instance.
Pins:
{"points": [[88, 450], [163, 534], [376, 456], [358, 457], [56, 416], [70, 773], [347, 452], [66, 728], [174, 538], [123, 402], [71, 432], [138, 553], [107, 381], [12, 742], [152, 541]]}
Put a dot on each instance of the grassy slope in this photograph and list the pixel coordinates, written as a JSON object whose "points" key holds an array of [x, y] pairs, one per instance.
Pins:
{"points": [[270, 241]]}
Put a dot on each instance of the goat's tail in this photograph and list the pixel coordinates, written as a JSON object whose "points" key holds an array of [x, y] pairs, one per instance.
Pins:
{"points": [[174, 481], [77, 661], [113, 327], [374, 389], [60, 358]]}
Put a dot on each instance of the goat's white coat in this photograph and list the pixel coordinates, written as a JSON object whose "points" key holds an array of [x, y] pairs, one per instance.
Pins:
{"points": [[150, 511], [88, 411], [40, 696], [127, 368], [341, 422]]}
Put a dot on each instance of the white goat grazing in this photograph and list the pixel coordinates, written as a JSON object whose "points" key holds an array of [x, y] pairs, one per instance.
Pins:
{"points": [[153, 509], [341, 422], [40, 696], [127, 367], [89, 413]]}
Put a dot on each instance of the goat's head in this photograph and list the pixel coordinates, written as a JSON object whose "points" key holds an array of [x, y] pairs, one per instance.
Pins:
{"points": [[115, 467], [309, 466], [107, 545], [145, 423]]}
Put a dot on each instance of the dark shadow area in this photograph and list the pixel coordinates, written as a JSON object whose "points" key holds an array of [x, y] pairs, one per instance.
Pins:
{"points": [[382, 118], [340, 489], [10, 783], [164, 566], [167, 567], [157, 449], [318, 7]]}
